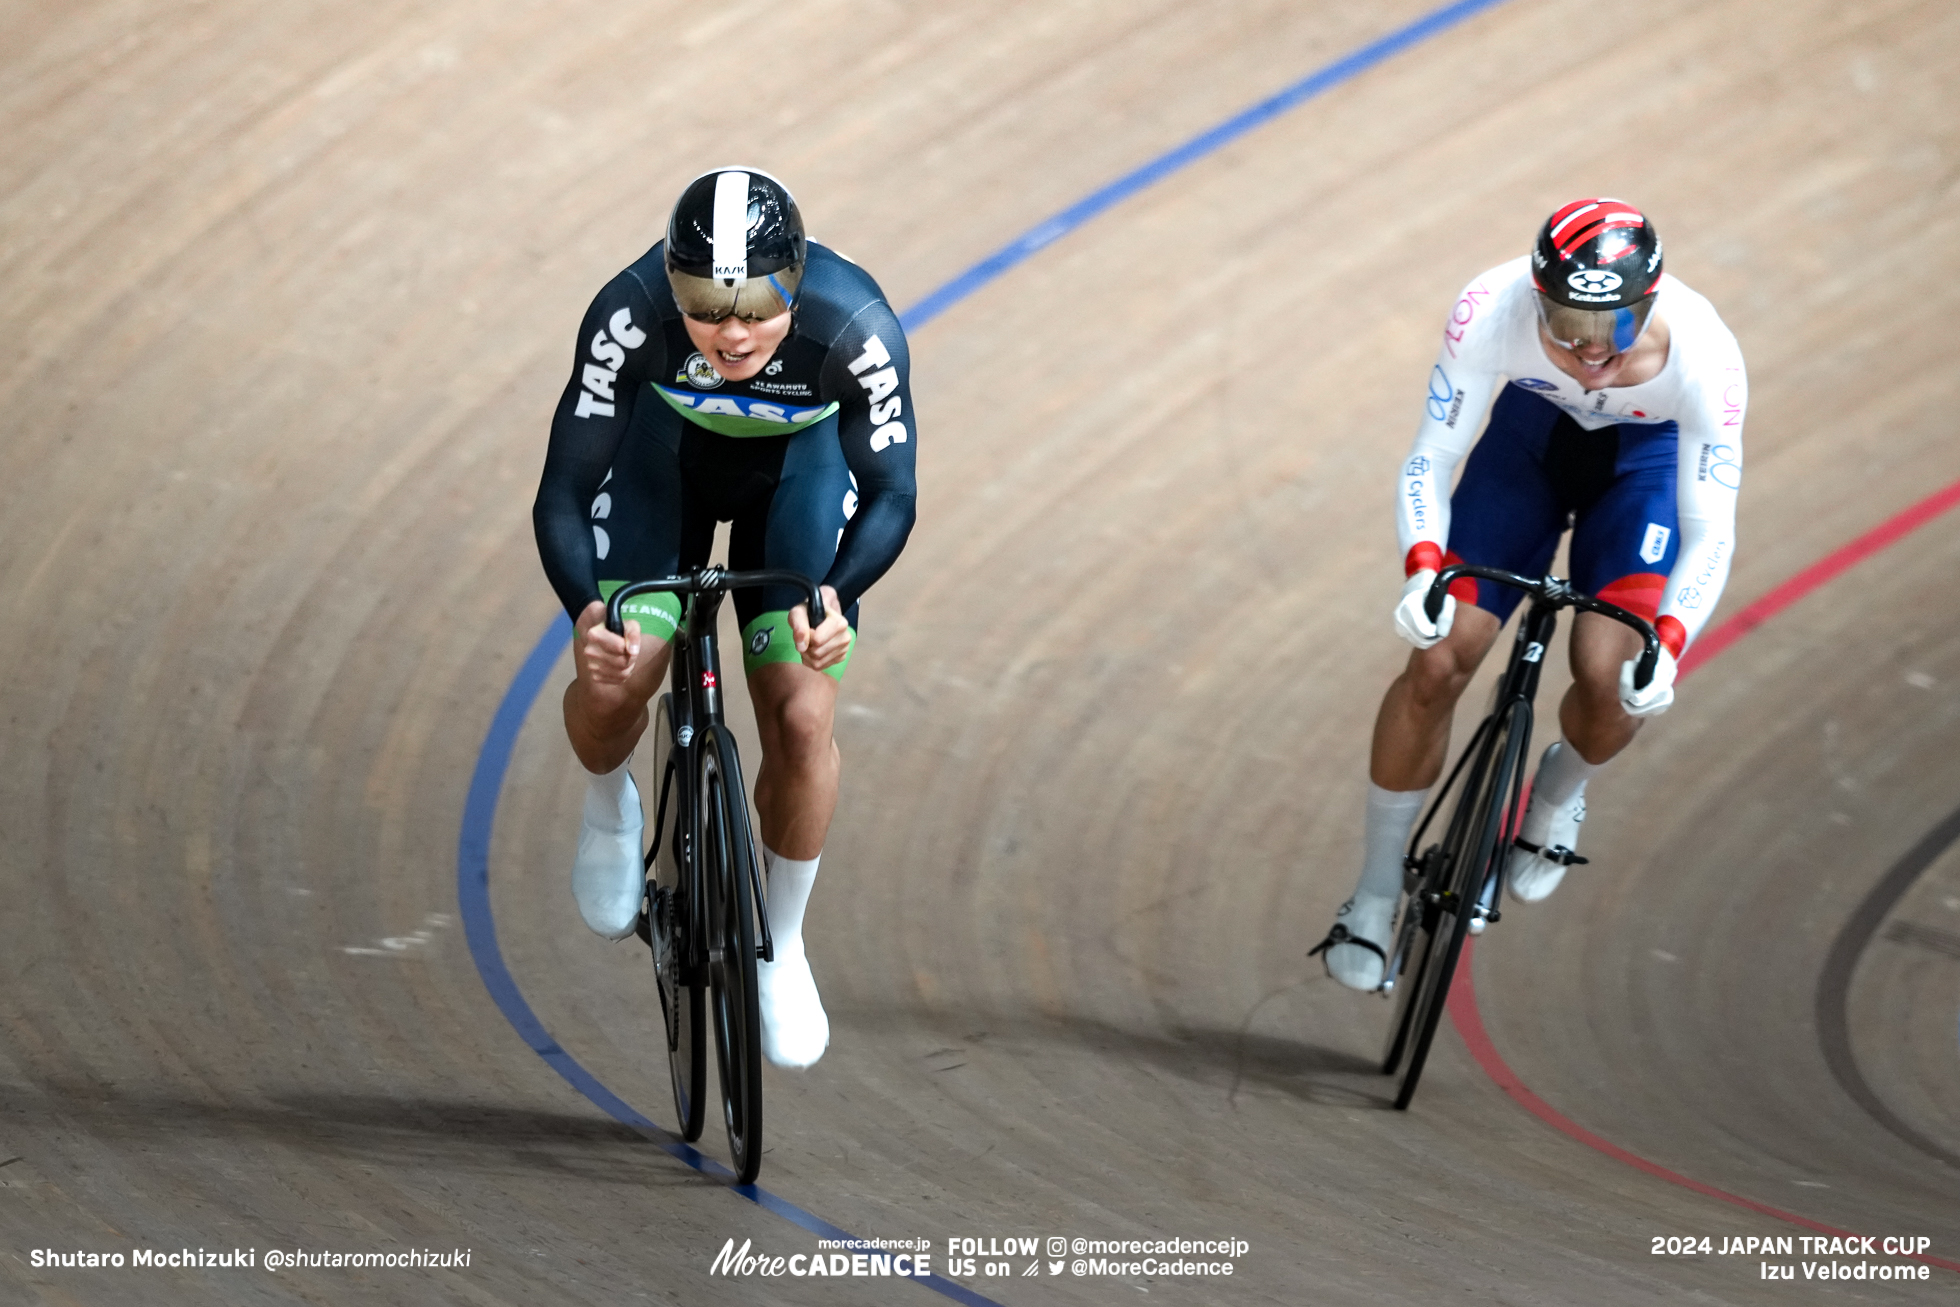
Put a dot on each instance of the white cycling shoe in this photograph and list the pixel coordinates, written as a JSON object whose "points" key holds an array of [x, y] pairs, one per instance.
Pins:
{"points": [[609, 874], [1357, 946], [795, 1030], [1534, 870]]}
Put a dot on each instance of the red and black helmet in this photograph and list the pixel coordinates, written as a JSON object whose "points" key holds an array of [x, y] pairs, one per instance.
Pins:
{"points": [[1596, 265]]}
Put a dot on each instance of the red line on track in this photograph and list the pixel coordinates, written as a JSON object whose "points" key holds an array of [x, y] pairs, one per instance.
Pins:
{"points": [[1469, 1018], [1470, 1024], [1876, 540]]}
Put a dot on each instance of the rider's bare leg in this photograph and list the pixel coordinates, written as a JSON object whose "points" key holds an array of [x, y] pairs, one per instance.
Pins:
{"points": [[1412, 737], [1590, 714], [605, 722], [605, 710], [795, 795], [1412, 730], [796, 787], [1595, 728]]}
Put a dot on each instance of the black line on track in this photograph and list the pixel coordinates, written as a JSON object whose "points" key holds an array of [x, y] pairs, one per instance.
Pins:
{"points": [[1834, 985]]}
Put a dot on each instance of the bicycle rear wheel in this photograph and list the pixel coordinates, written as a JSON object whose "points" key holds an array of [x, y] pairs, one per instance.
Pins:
{"points": [[674, 928], [728, 859], [1437, 915]]}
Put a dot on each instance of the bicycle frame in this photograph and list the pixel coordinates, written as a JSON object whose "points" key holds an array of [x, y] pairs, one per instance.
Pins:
{"points": [[1518, 690], [697, 672], [707, 920], [695, 677], [1454, 886], [1514, 705]]}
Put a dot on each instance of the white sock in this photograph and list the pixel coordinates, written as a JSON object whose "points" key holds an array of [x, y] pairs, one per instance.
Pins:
{"points": [[605, 798], [789, 894], [1391, 816], [1562, 777]]}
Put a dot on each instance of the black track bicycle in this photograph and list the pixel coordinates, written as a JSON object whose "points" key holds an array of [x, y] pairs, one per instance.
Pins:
{"points": [[705, 917], [1453, 886]]}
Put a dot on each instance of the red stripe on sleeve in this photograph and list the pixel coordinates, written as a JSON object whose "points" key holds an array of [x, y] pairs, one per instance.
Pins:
{"points": [[1423, 557], [1464, 588], [1672, 634]]}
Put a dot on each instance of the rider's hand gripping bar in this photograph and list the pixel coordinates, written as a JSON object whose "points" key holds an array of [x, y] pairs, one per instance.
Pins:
{"points": [[713, 579], [1556, 591]]}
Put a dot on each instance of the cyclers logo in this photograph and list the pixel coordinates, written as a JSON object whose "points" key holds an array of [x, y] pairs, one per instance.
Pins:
{"points": [[596, 400], [741, 1261]]}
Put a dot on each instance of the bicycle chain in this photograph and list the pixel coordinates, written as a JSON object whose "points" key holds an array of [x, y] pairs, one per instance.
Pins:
{"points": [[668, 967]]}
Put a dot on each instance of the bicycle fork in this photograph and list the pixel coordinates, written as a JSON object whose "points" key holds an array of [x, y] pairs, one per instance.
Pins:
{"points": [[697, 678], [1515, 697]]}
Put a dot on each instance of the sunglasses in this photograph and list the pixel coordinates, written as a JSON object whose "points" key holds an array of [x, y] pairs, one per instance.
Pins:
{"points": [[1572, 328], [753, 299]]}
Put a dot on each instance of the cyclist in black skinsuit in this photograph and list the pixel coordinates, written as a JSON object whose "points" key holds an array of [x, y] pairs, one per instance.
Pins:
{"points": [[733, 373]]}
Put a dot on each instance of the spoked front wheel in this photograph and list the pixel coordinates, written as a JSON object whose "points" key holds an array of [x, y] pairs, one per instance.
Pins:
{"points": [[674, 931], [728, 861], [1437, 915]]}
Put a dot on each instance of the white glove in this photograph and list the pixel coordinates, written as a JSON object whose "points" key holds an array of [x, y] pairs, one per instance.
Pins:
{"points": [[1659, 692], [1412, 623]]}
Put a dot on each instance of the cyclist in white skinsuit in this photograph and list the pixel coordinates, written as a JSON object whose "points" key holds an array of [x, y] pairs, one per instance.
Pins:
{"points": [[1622, 417]]}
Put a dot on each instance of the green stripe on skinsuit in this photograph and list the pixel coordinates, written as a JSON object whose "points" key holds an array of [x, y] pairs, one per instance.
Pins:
{"points": [[731, 415], [659, 614], [768, 639]]}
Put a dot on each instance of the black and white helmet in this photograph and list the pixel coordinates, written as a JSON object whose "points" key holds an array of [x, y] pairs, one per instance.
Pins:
{"points": [[735, 246]]}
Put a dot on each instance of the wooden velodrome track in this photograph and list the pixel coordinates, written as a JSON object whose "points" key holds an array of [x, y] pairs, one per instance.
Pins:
{"points": [[290, 290]]}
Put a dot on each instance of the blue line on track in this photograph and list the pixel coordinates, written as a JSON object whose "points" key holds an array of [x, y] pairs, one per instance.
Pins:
{"points": [[480, 929], [1044, 234], [493, 758]]}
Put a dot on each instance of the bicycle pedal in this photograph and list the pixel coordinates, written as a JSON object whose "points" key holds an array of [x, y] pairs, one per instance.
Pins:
{"points": [[1557, 853], [1338, 935]]}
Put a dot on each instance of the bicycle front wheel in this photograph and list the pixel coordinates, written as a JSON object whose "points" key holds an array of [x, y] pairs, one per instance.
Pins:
{"points": [[1440, 908], [673, 912], [728, 861], [1412, 958], [1408, 962]]}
